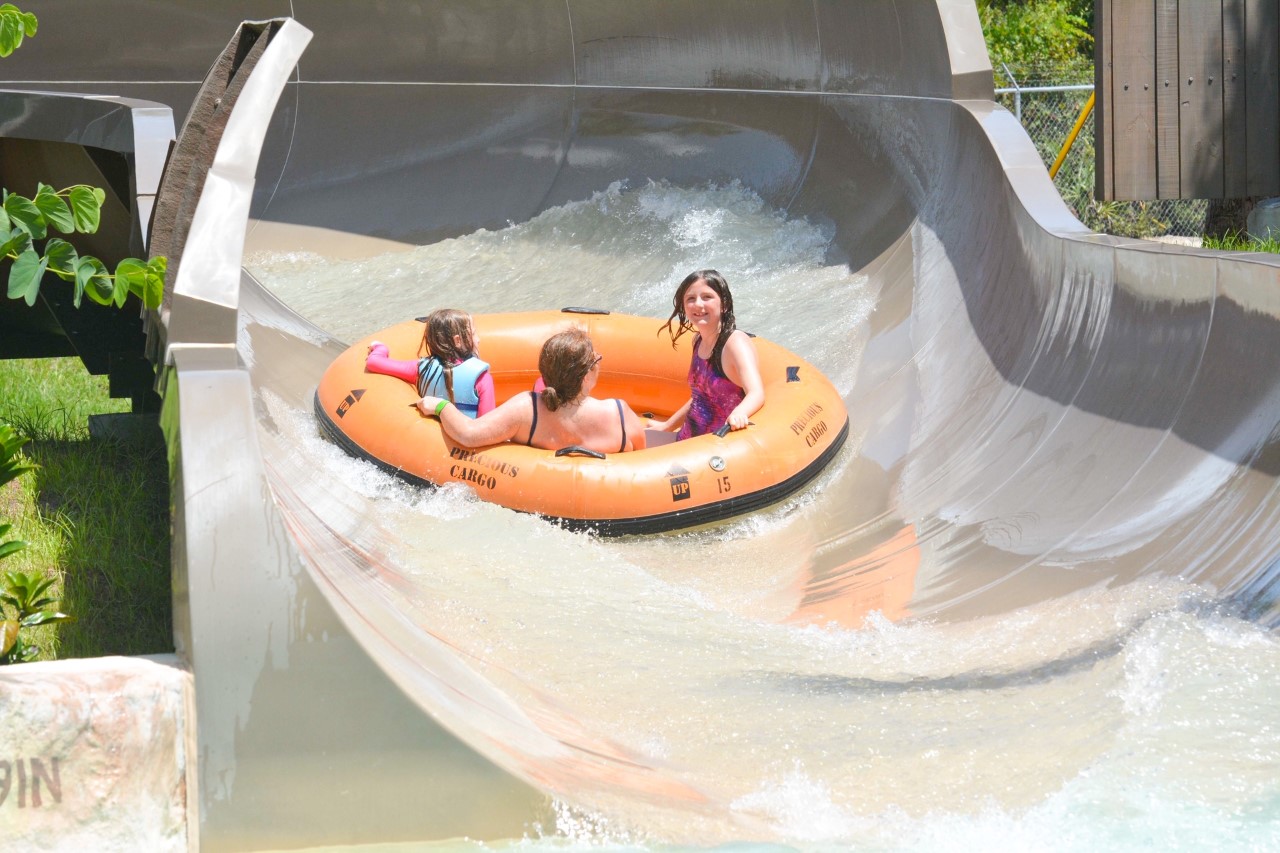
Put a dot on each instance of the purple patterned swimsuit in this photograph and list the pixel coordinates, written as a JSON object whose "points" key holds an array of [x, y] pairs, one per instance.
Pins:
{"points": [[713, 398]]}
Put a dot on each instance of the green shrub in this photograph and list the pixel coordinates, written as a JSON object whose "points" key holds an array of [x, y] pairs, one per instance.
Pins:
{"points": [[1054, 33]]}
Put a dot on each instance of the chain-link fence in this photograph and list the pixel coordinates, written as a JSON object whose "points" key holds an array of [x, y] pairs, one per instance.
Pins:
{"points": [[1049, 111]]}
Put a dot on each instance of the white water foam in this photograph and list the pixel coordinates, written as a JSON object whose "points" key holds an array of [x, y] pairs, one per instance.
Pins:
{"points": [[1123, 718]]}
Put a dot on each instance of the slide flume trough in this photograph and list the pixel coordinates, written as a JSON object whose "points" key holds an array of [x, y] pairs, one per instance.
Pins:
{"points": [[1037, 411]]}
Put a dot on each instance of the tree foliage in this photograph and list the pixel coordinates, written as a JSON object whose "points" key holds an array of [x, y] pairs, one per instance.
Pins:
{"points": [[1054, 33]]}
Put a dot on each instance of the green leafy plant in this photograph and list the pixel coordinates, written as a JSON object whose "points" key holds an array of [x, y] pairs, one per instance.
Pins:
{"points": [[24, 222], [27, 594], [15, 25], [12, 465], [24, 592], [76, 209], [13, 546]]}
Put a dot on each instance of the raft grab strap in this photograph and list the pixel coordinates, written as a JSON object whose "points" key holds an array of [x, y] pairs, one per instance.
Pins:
{"points": [[724, 430], [580, 450]]}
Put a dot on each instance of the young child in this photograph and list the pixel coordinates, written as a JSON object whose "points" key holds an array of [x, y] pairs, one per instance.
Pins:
{"points": [[724, 374], [449, 366]]}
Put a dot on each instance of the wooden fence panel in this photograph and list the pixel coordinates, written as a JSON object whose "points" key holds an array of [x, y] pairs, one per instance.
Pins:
{"points": [[1200, 104], [1188, 98], [1168, 160], [1103, 134], [1134, 97], [1262, 97], [1235, 140]]}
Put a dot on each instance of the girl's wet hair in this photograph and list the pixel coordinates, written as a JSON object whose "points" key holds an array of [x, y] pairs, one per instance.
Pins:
{"points": [[681, 323], [437, 340], [564, 362]]}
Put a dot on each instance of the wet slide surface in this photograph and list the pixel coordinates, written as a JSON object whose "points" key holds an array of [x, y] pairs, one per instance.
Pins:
{"points": [[1038, 582]]}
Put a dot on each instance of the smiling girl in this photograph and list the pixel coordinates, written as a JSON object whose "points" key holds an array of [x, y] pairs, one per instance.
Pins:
{"points": [[724, 375]]}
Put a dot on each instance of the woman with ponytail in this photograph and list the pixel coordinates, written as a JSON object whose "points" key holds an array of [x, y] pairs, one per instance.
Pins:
{"points": [[562, 414]]}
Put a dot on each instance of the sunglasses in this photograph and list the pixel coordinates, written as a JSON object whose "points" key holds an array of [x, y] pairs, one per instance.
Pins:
{"points": [[598, 359]]}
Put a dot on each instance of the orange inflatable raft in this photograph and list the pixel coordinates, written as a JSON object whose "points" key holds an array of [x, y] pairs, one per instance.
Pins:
{"points": [[797, 432]]}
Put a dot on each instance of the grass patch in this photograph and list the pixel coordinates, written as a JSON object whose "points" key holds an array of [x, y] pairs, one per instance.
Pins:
{"points": [[95, 514], [1234, 241]]}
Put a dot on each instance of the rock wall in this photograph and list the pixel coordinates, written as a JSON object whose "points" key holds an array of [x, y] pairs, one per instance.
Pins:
{"points": [[93, 756]]}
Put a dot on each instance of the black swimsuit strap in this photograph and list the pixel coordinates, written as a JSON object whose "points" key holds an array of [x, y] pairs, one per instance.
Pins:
{"points": [[622, 421], [533, 398]]}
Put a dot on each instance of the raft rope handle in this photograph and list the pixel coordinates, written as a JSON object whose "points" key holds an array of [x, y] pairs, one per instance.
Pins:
{"points": [[579, 449], [724, 430]]}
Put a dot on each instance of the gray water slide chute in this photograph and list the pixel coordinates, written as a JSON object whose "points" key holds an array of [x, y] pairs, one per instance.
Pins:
{"points": [[1044, 409]]}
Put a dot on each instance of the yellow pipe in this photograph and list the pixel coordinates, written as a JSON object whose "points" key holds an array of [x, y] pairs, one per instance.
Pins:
{"points": [[1075, 131]]}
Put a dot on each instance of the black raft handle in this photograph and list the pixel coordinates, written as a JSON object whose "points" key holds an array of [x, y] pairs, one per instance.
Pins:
{"points": [[724, 430], [580, 450]]}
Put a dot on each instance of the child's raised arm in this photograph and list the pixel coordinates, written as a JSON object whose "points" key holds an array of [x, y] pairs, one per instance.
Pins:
{"points": [[379, 361]]}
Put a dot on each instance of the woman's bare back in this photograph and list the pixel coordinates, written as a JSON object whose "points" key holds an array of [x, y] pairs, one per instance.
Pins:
{"points": [[591, 423]]}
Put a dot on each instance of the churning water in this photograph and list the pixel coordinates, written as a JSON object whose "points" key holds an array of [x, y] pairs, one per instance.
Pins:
{"points": [[1134, 718]]}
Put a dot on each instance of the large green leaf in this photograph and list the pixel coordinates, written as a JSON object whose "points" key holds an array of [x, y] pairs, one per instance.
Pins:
{"points": [[15, 242], [54, 209], [25, 275], [44, 617], [153, 293], [131, 277], [26, 592], [26, 215], [146, 281], [12, 29], [86, 207], [11, 547], [92, 278], [29, 22], [11, 464], [62, 258]]}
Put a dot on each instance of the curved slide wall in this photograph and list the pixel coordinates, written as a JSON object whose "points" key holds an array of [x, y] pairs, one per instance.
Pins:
{"points": [[1041, 410]]}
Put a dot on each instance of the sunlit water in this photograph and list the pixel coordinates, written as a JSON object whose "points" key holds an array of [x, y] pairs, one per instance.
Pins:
{"points": [[1132, 718]]}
